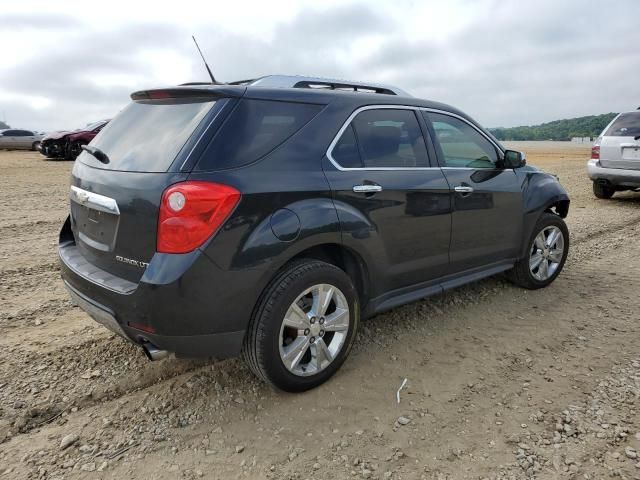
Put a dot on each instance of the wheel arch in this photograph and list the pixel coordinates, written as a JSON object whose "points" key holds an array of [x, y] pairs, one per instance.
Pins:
{"points": [[342, 257]]}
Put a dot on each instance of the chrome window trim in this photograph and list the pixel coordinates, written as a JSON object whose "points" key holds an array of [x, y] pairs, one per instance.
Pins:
{"points": [[397, 107], [93, 200]]}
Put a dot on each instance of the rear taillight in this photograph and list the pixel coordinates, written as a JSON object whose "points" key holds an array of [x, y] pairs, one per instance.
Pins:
{"points": [[595, 152], [191, 212]]}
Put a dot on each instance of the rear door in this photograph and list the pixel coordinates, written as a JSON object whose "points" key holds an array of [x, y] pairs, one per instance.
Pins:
{"points": [[115, 204], [619, 147], [24, 139], [486, 198], [391, 202]]}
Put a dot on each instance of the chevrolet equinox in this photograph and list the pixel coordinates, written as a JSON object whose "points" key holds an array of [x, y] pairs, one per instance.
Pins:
{"points": [[267, 217]]}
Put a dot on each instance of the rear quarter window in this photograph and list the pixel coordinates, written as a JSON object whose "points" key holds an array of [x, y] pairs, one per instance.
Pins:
{"points": [[253, 129], [626, 125]]}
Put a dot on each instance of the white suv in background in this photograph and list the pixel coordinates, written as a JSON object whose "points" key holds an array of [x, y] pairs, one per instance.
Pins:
{"points": [[615, 156]]}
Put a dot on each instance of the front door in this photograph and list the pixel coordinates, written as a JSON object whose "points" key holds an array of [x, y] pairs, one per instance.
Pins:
{"points": [[392, 204], [487, 199], [8, 139]]}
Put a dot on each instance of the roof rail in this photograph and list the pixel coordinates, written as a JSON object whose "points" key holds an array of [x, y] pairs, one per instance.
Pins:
{"points": [[297, 81]]}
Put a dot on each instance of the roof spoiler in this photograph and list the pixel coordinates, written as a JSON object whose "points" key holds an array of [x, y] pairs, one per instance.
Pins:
{"points": [[187, 92]]}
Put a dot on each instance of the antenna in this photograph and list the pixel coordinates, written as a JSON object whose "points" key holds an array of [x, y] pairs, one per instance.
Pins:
{"points": [[213, 80]]}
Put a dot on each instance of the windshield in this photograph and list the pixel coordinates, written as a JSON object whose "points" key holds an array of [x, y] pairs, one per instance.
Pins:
{"points": [[148, 135], [92, 126], [626, 125]]}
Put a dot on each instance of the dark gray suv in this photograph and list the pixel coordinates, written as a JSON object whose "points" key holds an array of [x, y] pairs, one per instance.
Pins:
{"points": [[267, 217]]}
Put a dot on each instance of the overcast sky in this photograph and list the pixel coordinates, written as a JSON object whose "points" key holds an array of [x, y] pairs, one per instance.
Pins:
{"points": [[506, 63]]}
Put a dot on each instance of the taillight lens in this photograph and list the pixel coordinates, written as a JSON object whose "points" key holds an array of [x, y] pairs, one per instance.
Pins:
{"points": [[191, 212], [595, 152]]}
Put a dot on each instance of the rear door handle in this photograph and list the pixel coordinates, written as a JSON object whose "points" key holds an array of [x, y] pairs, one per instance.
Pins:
{"points": [[367, 188], [463, 189]]}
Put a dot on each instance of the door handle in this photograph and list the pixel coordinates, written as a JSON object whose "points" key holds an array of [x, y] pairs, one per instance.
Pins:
{"points": [[463, 189], [367, 188]]}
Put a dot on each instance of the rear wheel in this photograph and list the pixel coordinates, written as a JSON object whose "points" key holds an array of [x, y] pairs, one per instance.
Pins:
{"points": [[546, 255], [303, 327], [603, 191]]}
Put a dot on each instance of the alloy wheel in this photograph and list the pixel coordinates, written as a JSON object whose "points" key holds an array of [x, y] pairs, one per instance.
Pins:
{"points": [[314, 330], [546, 253]]}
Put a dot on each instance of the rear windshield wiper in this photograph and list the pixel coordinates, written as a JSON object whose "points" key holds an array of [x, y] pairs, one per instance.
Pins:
{"points": [[96, 152]]}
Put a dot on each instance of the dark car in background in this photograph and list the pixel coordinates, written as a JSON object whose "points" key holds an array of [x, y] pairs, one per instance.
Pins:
{"points": [[269, 216], [68, 144]]}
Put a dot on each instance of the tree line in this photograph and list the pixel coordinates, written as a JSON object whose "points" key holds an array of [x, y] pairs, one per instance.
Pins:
{"points": [[589, 126]]}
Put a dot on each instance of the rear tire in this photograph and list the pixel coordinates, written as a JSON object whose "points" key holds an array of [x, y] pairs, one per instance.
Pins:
{"points": [[603, 191], [303, 326], [546, 254]]}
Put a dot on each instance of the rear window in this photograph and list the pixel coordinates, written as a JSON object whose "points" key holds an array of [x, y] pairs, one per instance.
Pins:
{"points": [[255, 128], [148, 135], [626, 125]]}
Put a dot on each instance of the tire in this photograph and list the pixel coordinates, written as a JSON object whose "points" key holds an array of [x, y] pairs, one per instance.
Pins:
{"points": [[603, 191], [74, 150], [34, 146], [523, 274], [270, 337]]}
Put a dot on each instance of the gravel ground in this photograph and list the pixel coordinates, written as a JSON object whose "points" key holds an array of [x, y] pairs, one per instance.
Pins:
{"points": [[502, 383]]}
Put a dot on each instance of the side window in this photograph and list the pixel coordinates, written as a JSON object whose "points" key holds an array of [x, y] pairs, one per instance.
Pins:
{"points": [[390, 138], [461, 144], [346, 150], [255, 128], [9, 133]]}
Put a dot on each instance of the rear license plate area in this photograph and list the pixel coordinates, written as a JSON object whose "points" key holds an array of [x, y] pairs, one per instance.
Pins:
{"points": [[96, 228], [631, 153]]}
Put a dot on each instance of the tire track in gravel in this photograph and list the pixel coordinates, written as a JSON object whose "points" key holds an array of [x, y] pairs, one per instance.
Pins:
{"points": [[47, 309]]}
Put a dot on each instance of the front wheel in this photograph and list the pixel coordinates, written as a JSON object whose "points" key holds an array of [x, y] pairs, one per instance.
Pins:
{"points": [[546, 255], [74, 149], [303, 327]]}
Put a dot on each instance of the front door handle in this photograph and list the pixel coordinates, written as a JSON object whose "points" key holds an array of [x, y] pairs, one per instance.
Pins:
{"points": [[367, 188], [465, 189]]}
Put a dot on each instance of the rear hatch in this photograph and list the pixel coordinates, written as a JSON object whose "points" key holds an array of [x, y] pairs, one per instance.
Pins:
{"points": [[618, 145], [116, 193]]}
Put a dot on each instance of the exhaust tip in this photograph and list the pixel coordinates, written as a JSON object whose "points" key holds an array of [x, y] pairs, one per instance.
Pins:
{"points": [[153, 353]]}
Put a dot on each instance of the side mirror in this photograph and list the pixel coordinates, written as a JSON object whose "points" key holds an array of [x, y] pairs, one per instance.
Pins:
{"points": [[514, 159]]}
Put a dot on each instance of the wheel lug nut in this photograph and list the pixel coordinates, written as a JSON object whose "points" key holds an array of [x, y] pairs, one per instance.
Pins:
{"points": [[321, 320], [306, 331], [322, 333], [313, 320], [312, 339]]}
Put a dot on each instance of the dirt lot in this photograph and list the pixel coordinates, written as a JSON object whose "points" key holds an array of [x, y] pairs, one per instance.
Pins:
{"points": [[502, 383]]}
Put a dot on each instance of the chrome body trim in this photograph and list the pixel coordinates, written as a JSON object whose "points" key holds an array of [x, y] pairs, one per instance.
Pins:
{"points": [[346, 124], [93, 200]]}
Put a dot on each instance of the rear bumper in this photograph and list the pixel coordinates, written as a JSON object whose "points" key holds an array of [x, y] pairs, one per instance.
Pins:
{"points": [[615, 176], [195, 314]]}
